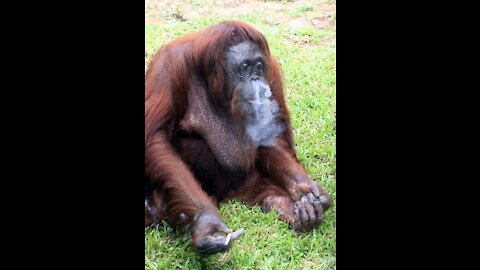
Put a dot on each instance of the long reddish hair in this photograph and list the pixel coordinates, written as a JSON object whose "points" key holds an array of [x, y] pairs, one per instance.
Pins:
{"points": [[200, 56]]}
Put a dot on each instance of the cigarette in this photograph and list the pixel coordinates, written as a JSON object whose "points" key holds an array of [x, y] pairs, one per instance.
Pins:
{"points": [[229, 235]]}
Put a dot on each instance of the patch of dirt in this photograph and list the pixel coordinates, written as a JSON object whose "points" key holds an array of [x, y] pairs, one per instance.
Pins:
{"points": [[294, 14]]}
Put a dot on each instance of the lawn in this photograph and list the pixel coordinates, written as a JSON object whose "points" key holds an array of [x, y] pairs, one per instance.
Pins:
{"points": [[302, 35]]}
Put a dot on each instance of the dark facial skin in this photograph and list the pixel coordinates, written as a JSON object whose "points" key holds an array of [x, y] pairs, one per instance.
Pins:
{"points": [[244, 61], [250, 94]]}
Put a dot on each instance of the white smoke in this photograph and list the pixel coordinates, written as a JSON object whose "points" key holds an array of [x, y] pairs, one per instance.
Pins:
{"points": [[261, 127]]}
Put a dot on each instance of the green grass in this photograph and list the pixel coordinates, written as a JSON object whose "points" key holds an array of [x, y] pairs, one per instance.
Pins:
{"points": [[308, 59], [301, 10]]}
